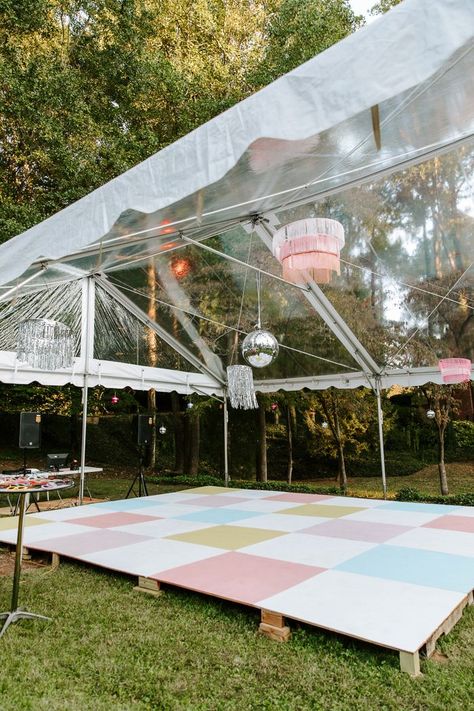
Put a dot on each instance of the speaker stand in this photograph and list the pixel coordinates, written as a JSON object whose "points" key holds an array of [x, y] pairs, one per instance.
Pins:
{"points": [[34, 500], [140, 478]]}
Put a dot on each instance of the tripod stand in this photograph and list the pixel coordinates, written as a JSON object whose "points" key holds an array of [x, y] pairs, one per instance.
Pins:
{"points": [[139, 476]]}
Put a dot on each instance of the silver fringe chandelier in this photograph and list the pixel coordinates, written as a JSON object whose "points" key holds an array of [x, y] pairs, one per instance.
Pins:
{"points": [[45, 344]]}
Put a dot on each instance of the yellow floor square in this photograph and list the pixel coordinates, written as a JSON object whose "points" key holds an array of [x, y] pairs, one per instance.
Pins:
{"points": [[10, 522], [322, 511], [208, 490], [230, 538]]}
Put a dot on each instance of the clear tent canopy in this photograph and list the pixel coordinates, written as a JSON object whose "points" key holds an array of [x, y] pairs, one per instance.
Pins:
{"points": [[376, 132]]}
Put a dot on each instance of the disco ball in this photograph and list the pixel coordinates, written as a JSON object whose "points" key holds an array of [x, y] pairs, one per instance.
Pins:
{"points": [[324, 425], [259, 348], [430, 414]]}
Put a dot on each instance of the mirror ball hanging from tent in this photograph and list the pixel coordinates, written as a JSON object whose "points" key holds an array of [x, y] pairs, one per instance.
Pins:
{"points": [[311, 245], [45, 344], [259, 347]]}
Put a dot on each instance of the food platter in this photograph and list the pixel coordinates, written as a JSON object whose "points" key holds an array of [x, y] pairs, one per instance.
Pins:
{"points": [[26, 482]]}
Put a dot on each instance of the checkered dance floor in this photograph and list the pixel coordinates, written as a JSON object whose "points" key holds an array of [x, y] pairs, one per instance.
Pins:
{"points": [[385, 572]]}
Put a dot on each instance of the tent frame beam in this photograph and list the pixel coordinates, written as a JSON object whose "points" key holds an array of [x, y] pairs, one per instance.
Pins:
{"points": [[323, 307], [170, 340]]}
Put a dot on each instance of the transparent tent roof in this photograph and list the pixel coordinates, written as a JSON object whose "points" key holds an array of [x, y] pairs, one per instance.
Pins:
{"points": [[376, 132]]}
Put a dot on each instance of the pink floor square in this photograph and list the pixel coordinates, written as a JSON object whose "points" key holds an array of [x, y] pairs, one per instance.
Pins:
{"points": [[214, 500], [118, 518], [299, 498], [357, 530], [453, 523], [237, 576], [93, 542]]}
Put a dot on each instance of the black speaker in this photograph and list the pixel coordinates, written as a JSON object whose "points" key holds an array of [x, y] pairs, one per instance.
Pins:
{"points": [[144, 429], [30, 430]]}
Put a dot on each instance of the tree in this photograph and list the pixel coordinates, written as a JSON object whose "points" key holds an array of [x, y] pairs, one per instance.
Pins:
{"points": [[444, 401], [348, 416], [298, 30]]}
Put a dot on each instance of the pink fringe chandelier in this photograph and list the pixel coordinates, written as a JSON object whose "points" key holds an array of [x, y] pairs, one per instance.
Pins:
{"points": [[455, 370], [312, 245]]}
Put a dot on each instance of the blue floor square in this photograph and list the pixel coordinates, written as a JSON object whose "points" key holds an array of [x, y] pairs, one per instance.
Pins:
{"points": [[218, 515], [410, 565], [418, 507]]}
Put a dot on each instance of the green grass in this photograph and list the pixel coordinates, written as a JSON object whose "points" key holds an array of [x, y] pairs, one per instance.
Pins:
{"points": [[426, 481], [109, 647]]}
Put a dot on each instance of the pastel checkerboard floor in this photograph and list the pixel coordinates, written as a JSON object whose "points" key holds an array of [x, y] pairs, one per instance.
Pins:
{"points": [[385, 572]]}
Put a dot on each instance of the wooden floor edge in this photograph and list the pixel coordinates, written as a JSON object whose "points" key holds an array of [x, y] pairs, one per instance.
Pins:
{"points": [[447, 625]]}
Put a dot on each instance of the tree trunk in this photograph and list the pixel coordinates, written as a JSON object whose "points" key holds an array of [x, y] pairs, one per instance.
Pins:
{"points": [[342, 477], [443, 479], [262, 444], [178, 434], [289, 430], [193, 445]]}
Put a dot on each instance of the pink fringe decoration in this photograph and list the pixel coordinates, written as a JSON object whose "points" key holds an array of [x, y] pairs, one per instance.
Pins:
{"points": [[311, 246], [455, 370]]}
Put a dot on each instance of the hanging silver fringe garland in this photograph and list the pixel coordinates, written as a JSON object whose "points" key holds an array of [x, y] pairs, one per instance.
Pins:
{"points": [[45, 344], [240, 387]]}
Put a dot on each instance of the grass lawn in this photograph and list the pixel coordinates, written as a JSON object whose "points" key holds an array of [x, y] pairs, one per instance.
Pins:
{"points": [[426, 481], [109, 647]]}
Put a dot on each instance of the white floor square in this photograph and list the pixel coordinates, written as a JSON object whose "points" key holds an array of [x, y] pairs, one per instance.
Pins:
{"points": [[32, 534], [262, 506], [151, 557], [161, 528], [351, 501], [386, 612], [400, 518], [309, 550], [247, 493], [436, 539]]}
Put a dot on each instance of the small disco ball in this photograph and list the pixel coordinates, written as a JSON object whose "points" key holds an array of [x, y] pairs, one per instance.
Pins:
{"points": [[190, 405], [260, 348], [430, 414], [162, 430], [324, 425]]}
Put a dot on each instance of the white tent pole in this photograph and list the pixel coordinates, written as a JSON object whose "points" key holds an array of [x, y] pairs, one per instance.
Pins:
{"points": [[87, 345], [381, 444], [226, 441]]}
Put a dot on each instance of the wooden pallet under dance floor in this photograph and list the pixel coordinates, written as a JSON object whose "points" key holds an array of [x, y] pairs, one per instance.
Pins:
{"points": [[390, 573]]}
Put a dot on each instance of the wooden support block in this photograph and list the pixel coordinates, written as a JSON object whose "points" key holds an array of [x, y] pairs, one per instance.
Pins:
{"points": [[149, 586], [410, 663], [273, 626], [55, 561], [25, 553]]}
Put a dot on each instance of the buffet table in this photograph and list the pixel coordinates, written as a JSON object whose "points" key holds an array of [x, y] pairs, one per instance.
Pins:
{"points": [[22, 486]]}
